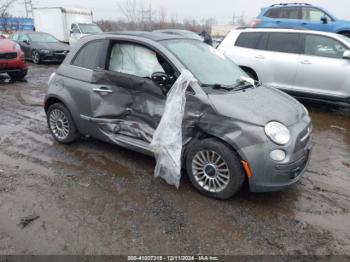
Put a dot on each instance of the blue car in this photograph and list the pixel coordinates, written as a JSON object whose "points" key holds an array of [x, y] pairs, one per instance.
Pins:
{"points": [[301, 15]]}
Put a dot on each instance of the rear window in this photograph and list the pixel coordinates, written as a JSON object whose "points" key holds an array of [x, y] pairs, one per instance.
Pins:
{"points": [[248, 40], [284, 42], [284, 13]]}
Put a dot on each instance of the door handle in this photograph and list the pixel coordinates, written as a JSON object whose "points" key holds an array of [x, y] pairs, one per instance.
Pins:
{"points": [[259, 57], [103, 89], [306, 62], [278, 22]]}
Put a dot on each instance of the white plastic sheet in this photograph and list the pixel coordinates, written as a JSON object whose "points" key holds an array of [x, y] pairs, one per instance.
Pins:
{"points": [[167, 139]]}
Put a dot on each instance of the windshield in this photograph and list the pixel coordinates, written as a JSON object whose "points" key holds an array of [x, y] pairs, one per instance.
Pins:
{"points": [[207, 64], [90, 29], [43, 38]]}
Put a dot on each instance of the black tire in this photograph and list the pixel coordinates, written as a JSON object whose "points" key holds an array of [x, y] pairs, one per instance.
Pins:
{"points": [[61, 135], [18, 75], [35, 57], [236, 173]]}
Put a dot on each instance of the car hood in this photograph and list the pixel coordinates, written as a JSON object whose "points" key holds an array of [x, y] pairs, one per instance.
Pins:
{"points": [[52, 46], [258, 106], [7, 45]]}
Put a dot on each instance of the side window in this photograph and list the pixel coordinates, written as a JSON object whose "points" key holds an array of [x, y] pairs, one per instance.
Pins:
{"points": [[23, 37], [134, 60], [273, 13], [284, 13], [14, 37], [313, 14], [75, 29], [317, 45], [289, 13], [91, 55], [284, 42], [248, 40]]}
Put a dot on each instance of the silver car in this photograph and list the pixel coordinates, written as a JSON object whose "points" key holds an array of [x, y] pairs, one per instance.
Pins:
{"points": [[113, 87], [307, 64]]}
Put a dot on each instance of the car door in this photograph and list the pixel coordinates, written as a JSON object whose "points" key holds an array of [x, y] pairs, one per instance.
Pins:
{"points": [[322, 70], [126, 104], [279, 54], [315, 19]]}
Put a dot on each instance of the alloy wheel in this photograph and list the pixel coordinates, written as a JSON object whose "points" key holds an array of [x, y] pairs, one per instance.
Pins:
{"points": [[210, 171], [59, 124], [36, 57]]}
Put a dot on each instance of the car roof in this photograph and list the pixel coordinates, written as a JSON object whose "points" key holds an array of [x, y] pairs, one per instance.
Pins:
{"points": [[290, 4], [155, 36], [180, 31], [284, 30]]}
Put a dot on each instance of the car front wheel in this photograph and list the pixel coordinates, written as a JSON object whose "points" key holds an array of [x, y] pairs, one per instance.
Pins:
{"points": [[214, 169], [61, 124]]}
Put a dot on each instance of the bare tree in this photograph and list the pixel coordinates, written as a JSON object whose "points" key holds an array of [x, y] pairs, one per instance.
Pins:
{"points": [[4, 13], [129, 9]]}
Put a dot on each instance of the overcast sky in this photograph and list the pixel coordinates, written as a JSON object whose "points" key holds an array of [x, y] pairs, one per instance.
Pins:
{"points": [[221, 10]]}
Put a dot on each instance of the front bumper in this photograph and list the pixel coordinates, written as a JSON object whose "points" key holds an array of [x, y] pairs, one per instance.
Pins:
{"points": [[53, 56], [15, 65], [269, 175]]}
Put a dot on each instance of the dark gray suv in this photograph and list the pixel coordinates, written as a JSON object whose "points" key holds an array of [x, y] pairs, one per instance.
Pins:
{"points": [[114, 86]]}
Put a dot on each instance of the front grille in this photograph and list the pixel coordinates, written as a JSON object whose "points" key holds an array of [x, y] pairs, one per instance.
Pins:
{"points": [[8, 56]]}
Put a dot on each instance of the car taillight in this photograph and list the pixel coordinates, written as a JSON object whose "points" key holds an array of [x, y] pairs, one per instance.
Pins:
{"points": [[22, 58], [256, 22]]}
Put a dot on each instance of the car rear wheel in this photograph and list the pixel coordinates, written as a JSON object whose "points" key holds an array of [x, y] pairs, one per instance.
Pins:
{"points": [[61, 124], [35, 57], [18, 75], [214, 169]]}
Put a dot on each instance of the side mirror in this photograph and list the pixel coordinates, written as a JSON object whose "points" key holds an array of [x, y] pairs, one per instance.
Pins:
{"points": [[26, 42], [346, 54], [324, 19], [161, 79]]}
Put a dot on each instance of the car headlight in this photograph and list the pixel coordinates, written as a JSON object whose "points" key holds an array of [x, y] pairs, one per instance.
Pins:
{"points": [[17, 47], [45, 51], [278, 133]]}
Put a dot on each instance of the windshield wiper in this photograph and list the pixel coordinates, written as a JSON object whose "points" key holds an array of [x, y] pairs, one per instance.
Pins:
{"points": [[219, 86], [243, 84]]}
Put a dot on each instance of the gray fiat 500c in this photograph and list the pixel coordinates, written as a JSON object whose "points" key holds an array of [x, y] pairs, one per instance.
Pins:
{"points": [[113, 87]]}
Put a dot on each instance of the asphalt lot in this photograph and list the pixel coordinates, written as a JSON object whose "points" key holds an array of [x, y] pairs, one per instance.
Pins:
{"points": [[96, 198]]}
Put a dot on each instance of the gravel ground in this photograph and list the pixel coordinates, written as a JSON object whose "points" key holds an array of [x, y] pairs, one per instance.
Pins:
{"points": [[96, 198]]}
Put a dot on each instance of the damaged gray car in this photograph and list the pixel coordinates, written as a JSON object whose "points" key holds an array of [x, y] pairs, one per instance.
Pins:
{"points": [[114, 87]]}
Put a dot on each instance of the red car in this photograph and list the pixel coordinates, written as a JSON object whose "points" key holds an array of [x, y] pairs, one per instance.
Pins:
{"points": [[12, 60]]}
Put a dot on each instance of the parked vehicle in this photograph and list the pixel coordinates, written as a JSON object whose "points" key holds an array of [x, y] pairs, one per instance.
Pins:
{"points": [[180, 32], [12, 60], [41, 47], [232, 129], [307, 64], [301, 15], [68, 25]]}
